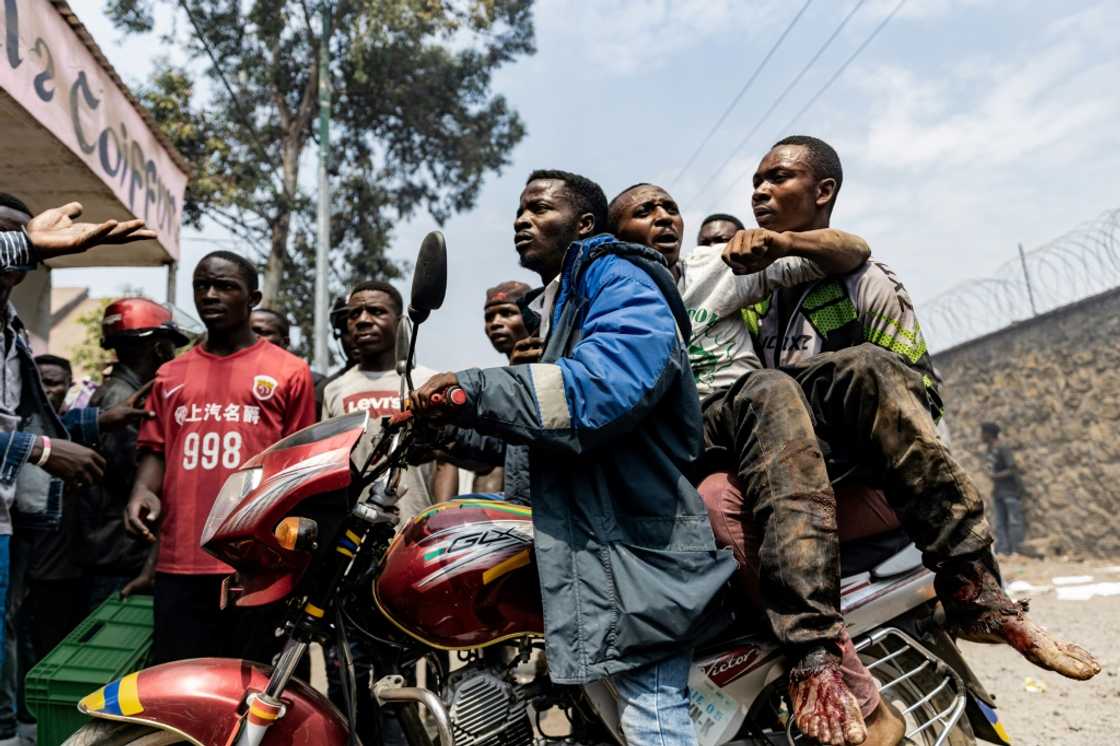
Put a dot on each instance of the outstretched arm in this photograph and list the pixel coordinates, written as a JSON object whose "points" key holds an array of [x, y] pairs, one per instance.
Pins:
{"points": [[54, 233]]}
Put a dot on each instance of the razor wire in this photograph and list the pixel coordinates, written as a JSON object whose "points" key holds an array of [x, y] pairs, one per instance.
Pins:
{"points": [[1078, 264]]}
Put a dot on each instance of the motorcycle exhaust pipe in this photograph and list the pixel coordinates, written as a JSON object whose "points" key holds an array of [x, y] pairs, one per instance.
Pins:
{"points": [[391, 689]]}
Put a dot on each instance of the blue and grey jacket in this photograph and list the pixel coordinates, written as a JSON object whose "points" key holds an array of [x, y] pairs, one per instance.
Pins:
{"points": [[38, 495], [611, 420]]}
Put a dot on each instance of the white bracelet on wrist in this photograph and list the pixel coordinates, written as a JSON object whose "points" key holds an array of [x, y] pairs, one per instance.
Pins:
{"points": [[45, 455]]}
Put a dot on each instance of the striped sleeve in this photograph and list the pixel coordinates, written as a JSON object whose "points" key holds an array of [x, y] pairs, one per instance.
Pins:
{"points": [[16, 254]]}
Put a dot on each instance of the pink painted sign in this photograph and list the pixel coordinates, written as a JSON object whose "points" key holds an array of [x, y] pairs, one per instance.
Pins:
{"points": [[54, 76]]}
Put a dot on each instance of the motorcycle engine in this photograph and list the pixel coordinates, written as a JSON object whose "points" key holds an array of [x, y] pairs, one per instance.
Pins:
{"points": [[486, 709]]}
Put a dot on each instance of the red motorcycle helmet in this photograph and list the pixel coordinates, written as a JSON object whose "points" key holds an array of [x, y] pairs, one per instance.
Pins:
{"points": [[139, 317]]}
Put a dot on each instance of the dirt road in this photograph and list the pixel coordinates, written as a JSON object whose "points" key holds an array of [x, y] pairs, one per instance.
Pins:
{"points": [[1043, 709]]}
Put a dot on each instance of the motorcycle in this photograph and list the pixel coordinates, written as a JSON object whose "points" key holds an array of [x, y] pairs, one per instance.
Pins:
{"points": [[300, 523]]}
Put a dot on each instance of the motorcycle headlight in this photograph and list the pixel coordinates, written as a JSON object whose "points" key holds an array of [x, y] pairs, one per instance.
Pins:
{"points": [[239, 484]]}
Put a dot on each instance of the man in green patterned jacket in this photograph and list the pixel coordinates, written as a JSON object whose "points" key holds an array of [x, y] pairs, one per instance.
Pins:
{"points": [[845, 365]]}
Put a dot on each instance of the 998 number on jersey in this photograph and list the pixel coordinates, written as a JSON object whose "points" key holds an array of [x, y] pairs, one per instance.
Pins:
{"points": [[208, 450]]}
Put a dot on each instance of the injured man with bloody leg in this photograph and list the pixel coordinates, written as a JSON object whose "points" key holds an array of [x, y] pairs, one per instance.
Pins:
{"points": [[862, 389], [847, 375]]}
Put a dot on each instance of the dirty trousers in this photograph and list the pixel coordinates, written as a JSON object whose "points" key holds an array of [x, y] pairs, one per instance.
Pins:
{"points": [[867, 408], [860, 512]]}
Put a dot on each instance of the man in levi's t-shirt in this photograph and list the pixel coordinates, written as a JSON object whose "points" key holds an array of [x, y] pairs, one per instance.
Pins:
{"points": [[374, 311], [215, 407]]}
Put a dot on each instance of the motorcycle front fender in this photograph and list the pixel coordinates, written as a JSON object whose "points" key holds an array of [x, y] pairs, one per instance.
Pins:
{"points": [[204, 701]]}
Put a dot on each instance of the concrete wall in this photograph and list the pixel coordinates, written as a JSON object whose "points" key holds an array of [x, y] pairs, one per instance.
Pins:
{"points": [[32, 299], [1053, 385]]}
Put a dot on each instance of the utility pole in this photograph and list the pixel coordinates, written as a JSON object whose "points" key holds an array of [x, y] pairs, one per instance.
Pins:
{"points": [[1027, 277], [172, 276], [321, 358]]}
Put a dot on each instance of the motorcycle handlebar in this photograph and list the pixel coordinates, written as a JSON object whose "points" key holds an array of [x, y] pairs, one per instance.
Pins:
{"points": [[452, 396]]}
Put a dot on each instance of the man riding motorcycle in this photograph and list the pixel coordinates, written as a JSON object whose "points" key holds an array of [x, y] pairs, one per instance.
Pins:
{"points": [[610, 415]]}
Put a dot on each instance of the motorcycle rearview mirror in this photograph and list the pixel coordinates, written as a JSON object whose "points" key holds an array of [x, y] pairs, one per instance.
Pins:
{"points": [[429, 278], [429, 286]]}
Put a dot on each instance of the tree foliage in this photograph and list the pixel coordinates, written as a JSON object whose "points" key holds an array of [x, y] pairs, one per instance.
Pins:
{"points": [[415, 124], [88, 355]]}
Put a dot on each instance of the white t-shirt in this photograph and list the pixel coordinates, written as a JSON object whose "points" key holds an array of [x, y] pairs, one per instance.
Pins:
{"points": [[721, 349], [379, 393]]}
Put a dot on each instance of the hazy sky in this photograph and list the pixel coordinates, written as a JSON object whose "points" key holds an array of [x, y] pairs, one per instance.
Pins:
{"points": [[964, 127]]}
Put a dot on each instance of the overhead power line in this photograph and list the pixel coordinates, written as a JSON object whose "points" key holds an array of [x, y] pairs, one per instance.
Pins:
{"points": [[839, 71], [842, 68], [777, 102], [739, 95]]}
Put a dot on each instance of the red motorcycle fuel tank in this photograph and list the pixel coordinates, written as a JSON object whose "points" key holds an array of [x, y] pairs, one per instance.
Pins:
{"points": [[462, 575]]}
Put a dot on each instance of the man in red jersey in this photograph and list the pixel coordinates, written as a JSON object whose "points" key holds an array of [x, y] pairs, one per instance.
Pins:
{"points": [[215, 407]]}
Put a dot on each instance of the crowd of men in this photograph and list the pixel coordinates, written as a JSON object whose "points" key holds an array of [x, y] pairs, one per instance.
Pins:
{"points": [[737, 414]]}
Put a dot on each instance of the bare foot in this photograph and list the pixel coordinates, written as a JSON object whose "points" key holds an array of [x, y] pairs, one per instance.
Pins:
{"points": [[979, 610], [823, 706], [1033, 641], [885, 726]]}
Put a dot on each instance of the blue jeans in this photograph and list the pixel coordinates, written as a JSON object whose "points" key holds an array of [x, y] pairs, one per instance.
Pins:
{"points": [[5, 572], [1010, 525], [16, 654], [654, 703]]}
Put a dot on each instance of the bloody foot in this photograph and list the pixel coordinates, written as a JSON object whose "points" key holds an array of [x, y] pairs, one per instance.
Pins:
{"points": [[1016, 629], [979, 610], [823, 706]]}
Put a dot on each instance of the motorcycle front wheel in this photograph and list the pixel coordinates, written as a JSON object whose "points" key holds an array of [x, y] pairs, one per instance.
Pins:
{"points": [[113, 733]]}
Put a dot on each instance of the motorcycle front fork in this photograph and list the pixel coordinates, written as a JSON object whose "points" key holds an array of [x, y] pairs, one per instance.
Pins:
{"points": [[309, 623], [265, 708]]}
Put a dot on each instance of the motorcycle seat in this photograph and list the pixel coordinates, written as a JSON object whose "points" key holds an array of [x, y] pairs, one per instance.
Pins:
{"points": [[907, 560]]}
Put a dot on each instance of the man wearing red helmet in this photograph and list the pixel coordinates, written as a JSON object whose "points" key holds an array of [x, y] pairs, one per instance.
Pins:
{"points": [[144, 335]]}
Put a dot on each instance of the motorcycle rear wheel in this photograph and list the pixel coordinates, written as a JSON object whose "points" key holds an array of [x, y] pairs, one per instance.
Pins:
{"points": [[113, 733]]}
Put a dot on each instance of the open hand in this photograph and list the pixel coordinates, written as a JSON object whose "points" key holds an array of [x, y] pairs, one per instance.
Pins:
{"points": [[753, 250], [54, 233], [128, 412]]}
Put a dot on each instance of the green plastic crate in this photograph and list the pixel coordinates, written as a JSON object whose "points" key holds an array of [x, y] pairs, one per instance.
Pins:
{"points": [[112, 641]]}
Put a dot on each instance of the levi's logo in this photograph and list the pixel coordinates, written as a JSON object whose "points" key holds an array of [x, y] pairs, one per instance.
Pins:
{"points": [[374, 402]]}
